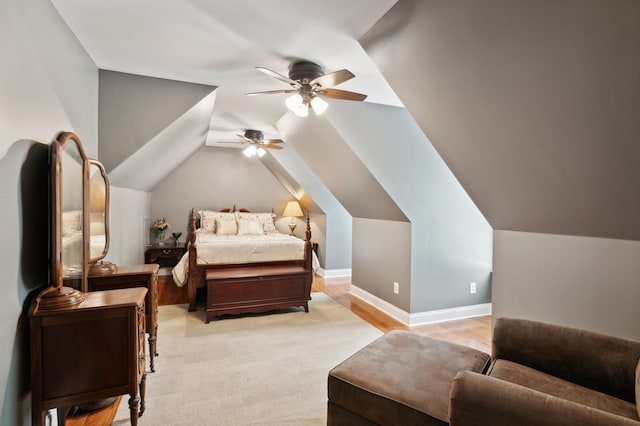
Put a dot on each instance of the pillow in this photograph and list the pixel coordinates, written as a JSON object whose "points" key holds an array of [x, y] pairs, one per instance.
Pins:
{"points": [[249, 227], [71, 221], [226, 227], [638, 387], [265, 219], [208, 219]]}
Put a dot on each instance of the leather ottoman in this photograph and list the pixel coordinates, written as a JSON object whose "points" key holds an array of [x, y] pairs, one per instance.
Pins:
{"points": [[402, 378]]}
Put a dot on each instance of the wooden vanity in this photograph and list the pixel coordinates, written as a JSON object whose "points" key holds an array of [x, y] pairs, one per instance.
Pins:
{"points": [[89, 351]]}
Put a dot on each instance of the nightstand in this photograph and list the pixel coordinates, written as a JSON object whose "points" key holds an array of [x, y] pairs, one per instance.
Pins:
{"points": [[165, 256]]}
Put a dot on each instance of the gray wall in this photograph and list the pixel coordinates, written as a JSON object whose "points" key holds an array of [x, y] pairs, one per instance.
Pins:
{"points": [[48, 84], [333, 233], [451, 242], [134, 109], [533, 106], [215, 178], [381, 256], [325, 152], [578, 281]]}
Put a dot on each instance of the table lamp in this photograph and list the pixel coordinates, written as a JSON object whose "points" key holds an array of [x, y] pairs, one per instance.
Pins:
{"points": [[292, 210]]}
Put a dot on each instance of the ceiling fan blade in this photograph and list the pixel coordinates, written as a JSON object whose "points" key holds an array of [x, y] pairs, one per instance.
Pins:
{"points": [[342, 94], [280, 77], [272, 141], [333, 78], [271, 92], [272, 146]]}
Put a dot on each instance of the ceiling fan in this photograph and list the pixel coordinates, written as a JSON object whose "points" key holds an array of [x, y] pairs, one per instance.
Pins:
{"points": [[256, 143], [309, 84]]}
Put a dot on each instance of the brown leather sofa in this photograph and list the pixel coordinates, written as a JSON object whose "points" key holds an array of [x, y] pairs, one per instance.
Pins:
{"points": [[538, 374]]}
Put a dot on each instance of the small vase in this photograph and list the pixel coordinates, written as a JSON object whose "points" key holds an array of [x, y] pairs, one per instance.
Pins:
{"points": [[160, 237]]}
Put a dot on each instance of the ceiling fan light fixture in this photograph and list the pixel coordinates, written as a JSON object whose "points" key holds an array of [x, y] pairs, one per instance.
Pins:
{"points": [[249, 151], [302, 110], [261, 152], [294, 101], [318, 105]]}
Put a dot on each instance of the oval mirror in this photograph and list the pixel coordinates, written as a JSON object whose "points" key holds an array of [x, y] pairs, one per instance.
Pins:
{"points": [[98, 230], [69, 174]]}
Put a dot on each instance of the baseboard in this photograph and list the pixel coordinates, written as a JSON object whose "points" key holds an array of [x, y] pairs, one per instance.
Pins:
{"points": [[420, 318], [335, 276]]}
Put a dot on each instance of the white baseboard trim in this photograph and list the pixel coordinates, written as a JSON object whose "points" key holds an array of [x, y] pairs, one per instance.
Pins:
{"points": [[420, 318], [383, 305], [335, 276]]}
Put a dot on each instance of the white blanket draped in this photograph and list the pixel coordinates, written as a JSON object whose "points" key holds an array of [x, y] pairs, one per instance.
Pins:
{"points": [[221, 249]]}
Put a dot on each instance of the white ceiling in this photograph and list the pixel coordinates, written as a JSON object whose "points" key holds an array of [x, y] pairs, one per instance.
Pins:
{"points": [[220, 42]]}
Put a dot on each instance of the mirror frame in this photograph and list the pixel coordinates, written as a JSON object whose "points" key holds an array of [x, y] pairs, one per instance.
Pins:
{"points": [[96, 265], [58, 294]]}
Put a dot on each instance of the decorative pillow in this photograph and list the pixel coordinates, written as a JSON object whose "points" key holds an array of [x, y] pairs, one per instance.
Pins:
{"points": [[265, 219], [208, 219], [638, 387], [226, 227], [249, 227], [71, 221]]}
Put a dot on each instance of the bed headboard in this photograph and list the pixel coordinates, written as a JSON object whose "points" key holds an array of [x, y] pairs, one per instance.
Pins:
{"points": [[226, 210]]}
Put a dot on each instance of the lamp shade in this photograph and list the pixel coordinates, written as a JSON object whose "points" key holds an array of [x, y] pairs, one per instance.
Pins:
{"points": [[292, 209]]}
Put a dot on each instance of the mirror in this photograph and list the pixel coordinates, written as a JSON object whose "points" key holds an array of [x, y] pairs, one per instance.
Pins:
{"points": [[98, 230], [69, 173]]}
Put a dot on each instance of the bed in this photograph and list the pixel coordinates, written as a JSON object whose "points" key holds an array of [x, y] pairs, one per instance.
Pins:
{"points": [[239, 240]]}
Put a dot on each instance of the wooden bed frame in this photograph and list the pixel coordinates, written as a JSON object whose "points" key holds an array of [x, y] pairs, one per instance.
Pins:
{"points": [[197, 272]]}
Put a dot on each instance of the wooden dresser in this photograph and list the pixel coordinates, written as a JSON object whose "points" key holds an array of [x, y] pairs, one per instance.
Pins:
{"points": [[89, 351], [135, 276]]}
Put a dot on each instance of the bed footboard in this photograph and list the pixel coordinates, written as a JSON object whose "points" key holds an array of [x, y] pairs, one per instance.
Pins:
{"points": [[196, 274]]}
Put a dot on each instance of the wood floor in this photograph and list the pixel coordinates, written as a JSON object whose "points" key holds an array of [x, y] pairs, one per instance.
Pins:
{"points": [[474, 332]]}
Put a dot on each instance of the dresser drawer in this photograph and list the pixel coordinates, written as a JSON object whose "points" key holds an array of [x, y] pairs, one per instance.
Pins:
{"points": [[164, 256]]}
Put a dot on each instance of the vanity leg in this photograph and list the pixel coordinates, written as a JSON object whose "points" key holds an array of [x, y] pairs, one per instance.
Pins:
{"points": [[155, 342], [143, 391], [134, 401], [152, 352]]}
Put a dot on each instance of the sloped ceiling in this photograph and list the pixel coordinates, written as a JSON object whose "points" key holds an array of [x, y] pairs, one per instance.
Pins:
{"points": [[220, 42], [533, 105], [331, 159], [134, 109]]}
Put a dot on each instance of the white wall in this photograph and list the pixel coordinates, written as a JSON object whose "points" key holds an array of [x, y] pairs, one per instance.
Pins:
{"points": [[582, 282], [129, 212], [48, 84]]}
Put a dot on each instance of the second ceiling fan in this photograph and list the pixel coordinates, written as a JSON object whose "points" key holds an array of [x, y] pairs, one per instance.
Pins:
{"points": [[309, 84], [255, 143]]}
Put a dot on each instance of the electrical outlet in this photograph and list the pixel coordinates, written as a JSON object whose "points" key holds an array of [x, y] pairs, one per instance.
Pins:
{"points": [[396, 288], [472, 288]]}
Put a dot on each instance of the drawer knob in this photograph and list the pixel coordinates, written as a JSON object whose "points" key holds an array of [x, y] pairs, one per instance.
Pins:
{"points": [[165, 251]]}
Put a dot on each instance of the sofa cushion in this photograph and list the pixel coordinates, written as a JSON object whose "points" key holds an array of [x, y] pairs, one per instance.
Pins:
{"points": [[593, 360], [402, 377], [542, 382]]}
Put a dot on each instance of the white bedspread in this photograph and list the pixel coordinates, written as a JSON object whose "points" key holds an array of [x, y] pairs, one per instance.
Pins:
{"points": [[221, 249]]}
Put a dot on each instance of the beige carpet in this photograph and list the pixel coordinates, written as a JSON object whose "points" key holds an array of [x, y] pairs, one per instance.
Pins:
{"points": [[253, 370]]}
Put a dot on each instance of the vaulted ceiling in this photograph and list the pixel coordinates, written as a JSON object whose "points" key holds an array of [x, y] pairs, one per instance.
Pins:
{"points": [[219, 43], [532, 105]]}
